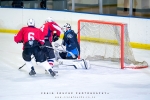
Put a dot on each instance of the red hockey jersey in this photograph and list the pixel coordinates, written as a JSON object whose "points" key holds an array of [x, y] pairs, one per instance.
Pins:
{"points": [[49, 28], [29, 33]]}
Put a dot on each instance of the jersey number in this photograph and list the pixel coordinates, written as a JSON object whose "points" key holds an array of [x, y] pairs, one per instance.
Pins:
{"points": [[31, 36]]}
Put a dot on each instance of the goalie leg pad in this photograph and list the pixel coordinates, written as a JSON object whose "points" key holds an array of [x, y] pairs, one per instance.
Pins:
{"points": [[86, 64], [72, 62]]}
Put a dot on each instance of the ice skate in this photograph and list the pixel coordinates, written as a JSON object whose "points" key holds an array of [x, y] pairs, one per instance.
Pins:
{"points": [[46, 72], [52, 72], [32, 72]]}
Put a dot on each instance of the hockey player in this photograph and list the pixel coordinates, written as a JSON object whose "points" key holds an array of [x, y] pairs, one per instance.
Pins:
{"points": [[31, 38], [71, 43], [72, 49], [51, 31]]}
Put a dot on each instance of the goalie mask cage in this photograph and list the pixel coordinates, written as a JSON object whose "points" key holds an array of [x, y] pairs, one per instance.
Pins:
{"points": [[108, 41]]}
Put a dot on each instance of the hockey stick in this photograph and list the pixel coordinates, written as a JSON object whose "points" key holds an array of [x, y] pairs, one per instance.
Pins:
{"points": [[24, 64]]}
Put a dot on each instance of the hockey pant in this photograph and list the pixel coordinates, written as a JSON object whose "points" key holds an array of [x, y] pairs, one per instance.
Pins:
{"points": [[39, 57]]}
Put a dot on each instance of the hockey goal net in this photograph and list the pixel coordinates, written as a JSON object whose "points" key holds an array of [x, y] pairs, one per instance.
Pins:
{"points": [[107, 41]]}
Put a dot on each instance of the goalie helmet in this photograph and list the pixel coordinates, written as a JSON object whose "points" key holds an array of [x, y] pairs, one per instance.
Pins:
{"points": [[31, 22], [67, 25]]}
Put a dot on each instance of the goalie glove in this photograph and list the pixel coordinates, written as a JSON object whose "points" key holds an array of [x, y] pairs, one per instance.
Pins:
{"points": [[55, 37], [56, 45]]}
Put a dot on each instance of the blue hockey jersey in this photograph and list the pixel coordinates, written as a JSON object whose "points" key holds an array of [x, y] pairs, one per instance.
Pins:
{"points": [[71, 42]]}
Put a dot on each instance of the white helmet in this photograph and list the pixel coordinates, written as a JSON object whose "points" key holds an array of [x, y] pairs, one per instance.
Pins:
{"points": [[67, 25], [49, 19], [31, 22]]}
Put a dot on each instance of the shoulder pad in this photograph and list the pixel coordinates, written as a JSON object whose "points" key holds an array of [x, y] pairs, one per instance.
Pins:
{"points": [[72, 31]]}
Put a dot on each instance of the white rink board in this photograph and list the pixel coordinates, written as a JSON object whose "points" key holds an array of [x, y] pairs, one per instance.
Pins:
{"points": [[138, 28]]}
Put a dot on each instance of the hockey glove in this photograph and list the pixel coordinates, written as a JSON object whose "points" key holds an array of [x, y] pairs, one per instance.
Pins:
{"points": [[55, 37], [20, 41], [44, 48]]}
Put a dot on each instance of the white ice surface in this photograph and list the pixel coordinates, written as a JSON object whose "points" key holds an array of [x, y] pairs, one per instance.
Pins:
{"points": [[109, 83]]}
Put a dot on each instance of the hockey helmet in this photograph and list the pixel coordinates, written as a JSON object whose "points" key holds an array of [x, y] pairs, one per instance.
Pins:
{"points": [[67, 25], [49, 19], [31, 22]]}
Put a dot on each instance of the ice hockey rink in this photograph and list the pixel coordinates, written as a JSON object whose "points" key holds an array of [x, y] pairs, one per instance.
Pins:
{"points": [[98, 83]]}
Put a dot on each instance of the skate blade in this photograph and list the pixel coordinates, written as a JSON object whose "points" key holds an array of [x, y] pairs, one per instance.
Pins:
{"points": [[53, 76], [33, 75], [56, 72]]}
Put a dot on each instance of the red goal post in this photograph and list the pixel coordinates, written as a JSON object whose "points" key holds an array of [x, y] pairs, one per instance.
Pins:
{"points": [[108, 41]]}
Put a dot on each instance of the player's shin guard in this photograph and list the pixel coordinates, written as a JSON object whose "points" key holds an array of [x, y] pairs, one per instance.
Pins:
{"points": [[48, 67], [51, 62]]}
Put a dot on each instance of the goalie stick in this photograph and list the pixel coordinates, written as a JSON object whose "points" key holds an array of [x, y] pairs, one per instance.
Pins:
{"points": [[81, 29]]}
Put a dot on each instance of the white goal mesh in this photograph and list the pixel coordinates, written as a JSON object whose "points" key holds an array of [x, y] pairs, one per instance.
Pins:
{"points": [[107, 41]]}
